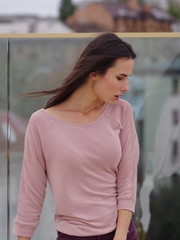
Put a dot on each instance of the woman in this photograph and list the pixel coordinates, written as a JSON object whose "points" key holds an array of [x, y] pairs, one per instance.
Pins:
{"points": [[84, 142]]}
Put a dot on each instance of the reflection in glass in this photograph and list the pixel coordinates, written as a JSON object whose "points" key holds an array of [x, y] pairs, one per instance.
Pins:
{"points": [[165, 195]]}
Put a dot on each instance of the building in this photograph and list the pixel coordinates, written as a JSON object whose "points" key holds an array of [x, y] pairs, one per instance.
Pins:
{"points": [[120, 17], [32, 24]]}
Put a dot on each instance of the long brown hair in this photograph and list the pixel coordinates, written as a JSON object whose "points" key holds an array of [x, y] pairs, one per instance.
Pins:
{"points": [[99, 55]]}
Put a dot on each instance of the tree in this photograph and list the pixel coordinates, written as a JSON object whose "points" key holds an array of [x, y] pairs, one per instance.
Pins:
{"points": [[66, 9], [174, 9]]}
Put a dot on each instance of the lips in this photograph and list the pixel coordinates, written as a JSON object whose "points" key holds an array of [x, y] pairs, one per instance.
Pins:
{"points": [[116, 97]]}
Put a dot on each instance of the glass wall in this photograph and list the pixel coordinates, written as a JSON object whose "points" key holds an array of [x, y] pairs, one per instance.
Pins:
{"points": [[41, 64], [3, 140]]}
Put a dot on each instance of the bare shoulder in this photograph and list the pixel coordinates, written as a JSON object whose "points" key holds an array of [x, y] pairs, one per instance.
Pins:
{"points": [[54, 108], [58, 107], [55, 111]]}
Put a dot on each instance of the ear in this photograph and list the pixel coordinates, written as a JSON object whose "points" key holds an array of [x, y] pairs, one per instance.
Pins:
{"points": [[93, 75]]}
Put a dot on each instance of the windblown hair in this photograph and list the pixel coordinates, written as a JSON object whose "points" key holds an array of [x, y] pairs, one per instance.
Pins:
{"points": [[99, 55]]}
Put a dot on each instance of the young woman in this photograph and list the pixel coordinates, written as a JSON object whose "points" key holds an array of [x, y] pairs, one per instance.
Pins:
{"points": [[84, 143]]}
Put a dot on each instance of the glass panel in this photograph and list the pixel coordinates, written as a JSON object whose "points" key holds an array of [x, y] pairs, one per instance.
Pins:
{"points": [[3, 139], [155, 97], [36, 64], [39, 64]]}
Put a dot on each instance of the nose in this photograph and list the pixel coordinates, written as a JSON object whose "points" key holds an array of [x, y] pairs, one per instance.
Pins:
{"points": [[125, 86]]}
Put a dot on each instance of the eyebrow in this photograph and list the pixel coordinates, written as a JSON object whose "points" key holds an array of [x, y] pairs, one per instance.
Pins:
{"points": [[123, 74]]}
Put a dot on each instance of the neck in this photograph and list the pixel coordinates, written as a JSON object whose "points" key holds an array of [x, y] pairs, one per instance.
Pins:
{"points": [[84, 99]]}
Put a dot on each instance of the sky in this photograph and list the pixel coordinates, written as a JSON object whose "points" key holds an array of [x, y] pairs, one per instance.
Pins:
{"points": [[38, 7]]}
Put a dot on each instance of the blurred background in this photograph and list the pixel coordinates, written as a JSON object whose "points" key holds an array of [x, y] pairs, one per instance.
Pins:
{"points": [[42, 63], [66, 16]]}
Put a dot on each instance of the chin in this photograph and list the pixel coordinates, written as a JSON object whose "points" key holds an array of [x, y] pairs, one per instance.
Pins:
{"points": [[110, 102]]}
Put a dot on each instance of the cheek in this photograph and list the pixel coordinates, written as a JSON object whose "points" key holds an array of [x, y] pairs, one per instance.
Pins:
{"points": [[111, 83], [105, 85]]}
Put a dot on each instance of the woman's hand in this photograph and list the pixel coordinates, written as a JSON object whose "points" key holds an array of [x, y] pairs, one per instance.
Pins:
{"points": [[119, 236], [23, 238], [124, 218]]}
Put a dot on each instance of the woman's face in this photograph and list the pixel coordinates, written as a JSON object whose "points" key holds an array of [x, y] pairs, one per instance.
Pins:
{"points": [[114, 83]]}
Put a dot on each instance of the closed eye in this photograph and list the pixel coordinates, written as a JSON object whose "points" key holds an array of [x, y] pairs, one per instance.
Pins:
{"points": [[119, 78]]}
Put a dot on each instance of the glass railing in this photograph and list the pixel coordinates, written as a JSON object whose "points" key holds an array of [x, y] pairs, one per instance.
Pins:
{"points": [[4, 159], [36, 64]]}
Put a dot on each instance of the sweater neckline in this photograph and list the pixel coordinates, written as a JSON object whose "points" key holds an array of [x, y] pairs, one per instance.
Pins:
{"points": [[76, 124]]}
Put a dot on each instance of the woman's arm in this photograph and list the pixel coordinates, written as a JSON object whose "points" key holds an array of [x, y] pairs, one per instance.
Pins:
{"points": [[23, 238], [33, 182], [124, 218], [127, 174]]}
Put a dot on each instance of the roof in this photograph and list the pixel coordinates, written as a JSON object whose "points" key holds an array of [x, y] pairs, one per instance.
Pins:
{"points": [[161, 15], [119, 9]]}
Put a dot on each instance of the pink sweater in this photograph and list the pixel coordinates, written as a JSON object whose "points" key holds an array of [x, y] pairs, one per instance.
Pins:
{"points": [[91, 169]]}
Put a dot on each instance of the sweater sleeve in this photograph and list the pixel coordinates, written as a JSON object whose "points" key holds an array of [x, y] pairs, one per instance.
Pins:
{"points": [[127, 168], [33, 183]]}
